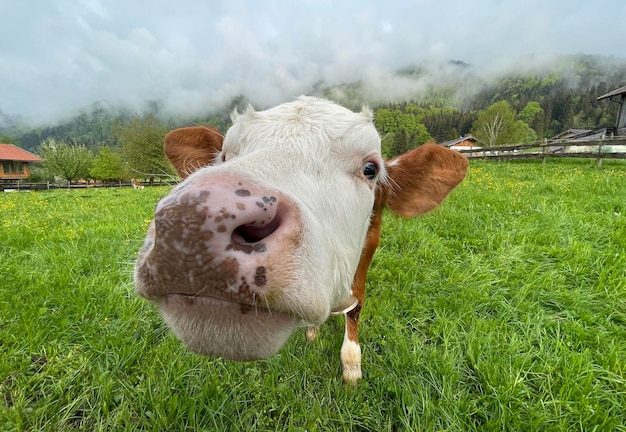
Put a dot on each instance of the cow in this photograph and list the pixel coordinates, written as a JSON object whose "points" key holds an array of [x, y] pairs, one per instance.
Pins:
{"points": [[136, 184], [274, 226]]}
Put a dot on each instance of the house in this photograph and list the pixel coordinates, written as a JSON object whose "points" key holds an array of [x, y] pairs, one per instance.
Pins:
{"points": [[14, 162], [462, 143], [618, 96]]}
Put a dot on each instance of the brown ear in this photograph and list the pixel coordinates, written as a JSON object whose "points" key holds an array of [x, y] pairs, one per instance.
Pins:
{"points": [[419, 180], [191, 148]]}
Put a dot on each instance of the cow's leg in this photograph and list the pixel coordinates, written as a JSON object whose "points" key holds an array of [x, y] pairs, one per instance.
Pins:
{"points": [[350, 349]]}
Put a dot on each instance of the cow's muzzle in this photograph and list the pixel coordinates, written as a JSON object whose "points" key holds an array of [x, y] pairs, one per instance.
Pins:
{"points": [[218, 260]]}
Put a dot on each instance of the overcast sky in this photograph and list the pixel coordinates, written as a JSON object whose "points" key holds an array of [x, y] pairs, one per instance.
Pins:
{"points": [[62, 55]]}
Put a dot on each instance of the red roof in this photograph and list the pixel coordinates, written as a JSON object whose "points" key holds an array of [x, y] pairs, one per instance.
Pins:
{"points": [[10, 152]]}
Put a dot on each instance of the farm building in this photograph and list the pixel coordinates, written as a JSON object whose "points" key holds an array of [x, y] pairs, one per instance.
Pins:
{"points": [[584, 135], [14, 162], [618, 96], [462, 143], [571, 134]]}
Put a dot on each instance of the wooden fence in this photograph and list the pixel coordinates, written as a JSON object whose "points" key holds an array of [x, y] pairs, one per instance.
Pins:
{"points": [[21, 185], [608, 148]]}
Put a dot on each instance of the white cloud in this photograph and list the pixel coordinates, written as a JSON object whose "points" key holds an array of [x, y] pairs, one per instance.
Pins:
{"points": [[66, 54]]}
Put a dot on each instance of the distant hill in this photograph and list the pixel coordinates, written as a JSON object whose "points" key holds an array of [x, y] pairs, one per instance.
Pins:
{"points": [[566, 88]]}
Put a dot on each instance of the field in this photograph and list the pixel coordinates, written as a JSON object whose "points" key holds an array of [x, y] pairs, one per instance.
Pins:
{"points": [[503, 310]]}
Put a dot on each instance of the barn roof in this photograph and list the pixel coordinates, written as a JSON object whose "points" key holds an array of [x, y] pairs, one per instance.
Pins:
{"points": [[12, 153], [570, 133], [459, 140], [582, 134], [619, 91]]}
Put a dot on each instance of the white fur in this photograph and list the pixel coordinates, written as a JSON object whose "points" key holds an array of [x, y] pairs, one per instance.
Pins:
{"points": [[311, 152], [350, 359]]}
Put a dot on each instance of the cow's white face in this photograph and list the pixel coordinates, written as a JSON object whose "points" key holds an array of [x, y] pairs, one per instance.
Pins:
{"points": [[268, 238]]}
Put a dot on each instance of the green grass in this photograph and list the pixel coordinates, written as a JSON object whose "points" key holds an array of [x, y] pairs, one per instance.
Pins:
{"points": [[503, 310]]}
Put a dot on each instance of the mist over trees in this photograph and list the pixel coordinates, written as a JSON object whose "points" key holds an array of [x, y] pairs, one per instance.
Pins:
{"points": [[520, 106]]}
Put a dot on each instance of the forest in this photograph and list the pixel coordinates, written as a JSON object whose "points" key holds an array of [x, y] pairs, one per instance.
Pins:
{"points": [[533, 105]]}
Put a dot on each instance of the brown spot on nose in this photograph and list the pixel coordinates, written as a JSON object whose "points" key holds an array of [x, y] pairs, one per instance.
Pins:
{"points": [[241, 206], [221, 228], [260, 278], [242, 192], [244, 309], [229, 268]]}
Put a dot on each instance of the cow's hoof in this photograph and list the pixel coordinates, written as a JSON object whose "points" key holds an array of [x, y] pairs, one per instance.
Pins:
{"points": [[312, 332]]}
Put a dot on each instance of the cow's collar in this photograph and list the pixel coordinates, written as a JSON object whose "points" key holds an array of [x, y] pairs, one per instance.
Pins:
{"points": [[345, 305]]}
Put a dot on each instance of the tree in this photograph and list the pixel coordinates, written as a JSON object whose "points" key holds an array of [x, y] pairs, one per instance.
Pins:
{"points": [[68, 161], [403, 140], [533, 115], [497, 125], [401, 128], [107, 165], [384, 120], [142, 147], [400, 143], [8, 139]]}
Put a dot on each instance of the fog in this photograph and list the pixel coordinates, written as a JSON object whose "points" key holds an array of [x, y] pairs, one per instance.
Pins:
{"points": [[58, 57]]}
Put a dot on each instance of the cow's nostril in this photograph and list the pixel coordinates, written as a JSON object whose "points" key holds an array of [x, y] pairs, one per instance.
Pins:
{"points": [[257, 230]]}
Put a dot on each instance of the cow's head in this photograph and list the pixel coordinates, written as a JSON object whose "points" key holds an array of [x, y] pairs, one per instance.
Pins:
{"points": [[265, 233]]}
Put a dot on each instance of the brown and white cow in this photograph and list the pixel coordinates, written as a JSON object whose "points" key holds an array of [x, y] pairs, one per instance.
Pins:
{"points": [[276, 228], [136, 184]]}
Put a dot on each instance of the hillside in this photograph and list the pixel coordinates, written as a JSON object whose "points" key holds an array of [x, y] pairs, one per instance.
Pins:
{"points": [[444, 99]]}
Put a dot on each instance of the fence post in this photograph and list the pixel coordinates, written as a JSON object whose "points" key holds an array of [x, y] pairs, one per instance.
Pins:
{"points": [[544, 145], [599, 159]]}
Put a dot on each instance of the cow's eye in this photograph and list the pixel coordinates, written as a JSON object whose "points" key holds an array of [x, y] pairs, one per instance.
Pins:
{"points": [[370, 169]]}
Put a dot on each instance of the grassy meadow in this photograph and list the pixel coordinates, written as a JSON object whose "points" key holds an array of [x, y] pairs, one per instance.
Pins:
{"points": [[505, 309]]}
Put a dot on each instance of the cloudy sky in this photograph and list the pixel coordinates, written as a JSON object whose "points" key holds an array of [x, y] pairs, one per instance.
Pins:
{"points": [[62, 55]]}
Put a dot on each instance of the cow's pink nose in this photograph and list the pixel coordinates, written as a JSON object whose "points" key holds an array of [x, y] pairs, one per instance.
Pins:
{"points": [[220, 260], [224, 215], [219, 236]]}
